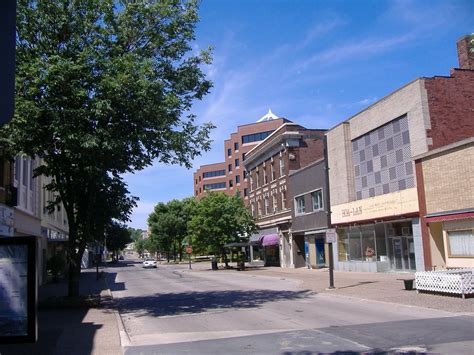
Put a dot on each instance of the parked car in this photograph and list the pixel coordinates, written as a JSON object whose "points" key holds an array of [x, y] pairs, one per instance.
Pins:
{"points": [[121, 257], [149, 262]]}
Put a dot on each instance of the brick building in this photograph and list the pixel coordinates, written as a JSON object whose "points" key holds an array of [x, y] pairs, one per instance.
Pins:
{"points": [[290, 147], [374, 199], [229, 176]]}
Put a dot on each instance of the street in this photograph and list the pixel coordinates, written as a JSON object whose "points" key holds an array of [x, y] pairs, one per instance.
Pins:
{"points": [[172, 310]]}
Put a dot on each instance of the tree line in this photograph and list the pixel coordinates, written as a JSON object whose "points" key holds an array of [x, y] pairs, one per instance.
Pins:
{"points": [[207, 224]]}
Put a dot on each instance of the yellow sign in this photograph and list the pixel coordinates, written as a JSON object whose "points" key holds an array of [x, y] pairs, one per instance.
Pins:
{"points": [[392, 204]]}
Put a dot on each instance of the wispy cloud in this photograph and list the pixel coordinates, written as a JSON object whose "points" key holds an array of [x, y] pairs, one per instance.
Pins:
{"points": [[353, 50], [140, 214]]}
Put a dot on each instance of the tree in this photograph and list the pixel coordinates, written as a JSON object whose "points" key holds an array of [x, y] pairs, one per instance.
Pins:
{"points": [[219, 219], [118, 236], [139, 246], [135, 234], [105, 87], [168, 225]]}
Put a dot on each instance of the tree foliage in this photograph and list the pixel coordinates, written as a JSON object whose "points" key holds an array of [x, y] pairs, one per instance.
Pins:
{"points": [[219, 219], [118, 236], [105, 87]]}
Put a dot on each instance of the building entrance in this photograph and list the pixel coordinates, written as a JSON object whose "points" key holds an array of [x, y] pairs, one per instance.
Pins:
{"points": [[402, 253]]}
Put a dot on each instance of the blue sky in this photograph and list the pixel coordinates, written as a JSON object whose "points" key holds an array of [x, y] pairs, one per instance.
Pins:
{"points": [[314, 62]]}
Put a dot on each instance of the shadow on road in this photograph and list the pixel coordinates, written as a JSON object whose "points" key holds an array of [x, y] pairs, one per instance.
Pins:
{"points": [[168, 304]]}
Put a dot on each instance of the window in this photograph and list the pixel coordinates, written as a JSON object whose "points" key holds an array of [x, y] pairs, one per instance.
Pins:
{"points": [[275, 204], [229, 167], [299, 205], [25, 172], [266, 206], [243, 156], [215, 173], [252, 207], [237, 193], [251, 183], [196, 181], [317, 199], [259, 207], [245, 192], [245, 174], [217, 185], [282, 167], [237, 179], [237, 162], [229, 152], [249, 138], [231, 183], [236, 146], [199, 178], [272, 167], [461, 243], [257, 178], [283, 200], [265, 177]]}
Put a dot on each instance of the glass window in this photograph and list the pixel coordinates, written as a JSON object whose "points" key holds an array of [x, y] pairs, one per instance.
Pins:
{"points": [[273, 171], [299, 205], [259, 206], [461, 243], [251, 183], [265, 177], [368, 243], [231, 183], [282, 167], [252, 206], [343, 245], [275, 204], [355, 245], [245, 192], [229, 167], [283, 200], [317, 199], [237, 179], [267, 211], [255, 137], [217, 185], [236, 146], [229, 152], [243, 156], [245, 174], [215, 173], [237, 162], [257, 178]]}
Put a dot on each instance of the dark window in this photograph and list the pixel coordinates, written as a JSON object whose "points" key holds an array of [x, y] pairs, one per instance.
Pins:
{"points": [[243, 156], [362, 155], [237, 162], [392, 173], [408, 168], [210, 174], [378, 177], [231, 183], [370, 166], [375, 150], [396, 126], [255, 137], [236, 146], [402, 185], [406, 137], [364, 181], [245, 174], [237, 179], [199, 178], [354, 146], [383, 161], [196, 181], [381, 133], [389, 144], [230, 167], [399, 155], [367, 140], [229, 152], [386, 188], [217, 185]]}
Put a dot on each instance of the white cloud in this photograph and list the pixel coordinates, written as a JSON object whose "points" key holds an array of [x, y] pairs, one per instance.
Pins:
{"points": [[140, 214]]}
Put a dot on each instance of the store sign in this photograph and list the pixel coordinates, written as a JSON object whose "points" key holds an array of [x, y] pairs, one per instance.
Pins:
{"points": [[392, 204]]}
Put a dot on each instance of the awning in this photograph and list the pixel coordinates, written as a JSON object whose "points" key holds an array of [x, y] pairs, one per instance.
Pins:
{"points": [[255, 239], [449, 217], [270, 239]]}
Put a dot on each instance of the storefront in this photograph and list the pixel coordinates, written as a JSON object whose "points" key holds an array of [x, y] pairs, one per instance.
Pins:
{"points": [[265, 247], [315, 250], [377, 247]]}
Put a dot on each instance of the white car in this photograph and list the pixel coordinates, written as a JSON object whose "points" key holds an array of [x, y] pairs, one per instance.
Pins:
{"points": [[149, 262]]}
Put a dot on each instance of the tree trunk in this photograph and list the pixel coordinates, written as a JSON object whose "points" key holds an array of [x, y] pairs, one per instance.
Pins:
{"points": [[224, 255], [74, 273]]}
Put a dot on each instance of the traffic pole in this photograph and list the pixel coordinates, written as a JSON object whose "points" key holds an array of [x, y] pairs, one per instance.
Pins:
{"points": [[331, 267]]}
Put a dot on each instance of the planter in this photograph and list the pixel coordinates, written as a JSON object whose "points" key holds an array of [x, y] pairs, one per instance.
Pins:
{"points": [[408, 284]]}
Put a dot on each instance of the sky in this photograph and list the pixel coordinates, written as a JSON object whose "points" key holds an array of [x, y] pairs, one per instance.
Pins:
{"points": [[314, 62]]}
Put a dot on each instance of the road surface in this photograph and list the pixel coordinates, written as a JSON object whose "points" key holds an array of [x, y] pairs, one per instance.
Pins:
{"points": [[173, 310]]}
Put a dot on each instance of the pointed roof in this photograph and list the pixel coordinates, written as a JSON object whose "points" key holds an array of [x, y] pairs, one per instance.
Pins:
{"points": [[268, 117]]}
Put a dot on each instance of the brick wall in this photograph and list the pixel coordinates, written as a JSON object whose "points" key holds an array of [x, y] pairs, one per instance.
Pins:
{"points": [[451, 107]]}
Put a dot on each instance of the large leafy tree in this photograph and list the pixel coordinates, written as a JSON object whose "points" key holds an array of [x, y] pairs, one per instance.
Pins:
{"points": [[104, 87], [168, 224], [118, 236], [219, 219]]}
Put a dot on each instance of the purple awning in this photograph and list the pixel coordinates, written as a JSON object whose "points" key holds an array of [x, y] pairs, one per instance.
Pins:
{"points": [[270, 239]]}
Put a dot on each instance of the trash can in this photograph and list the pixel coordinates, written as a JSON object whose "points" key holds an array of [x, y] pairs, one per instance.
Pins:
{"points": [[408, 284], [214, 265], [241, 265]]}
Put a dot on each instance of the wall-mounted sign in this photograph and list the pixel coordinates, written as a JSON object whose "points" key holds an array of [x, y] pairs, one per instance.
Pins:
{"points": [[18, 322], [392, 204], [6, 221], [331, 236]]}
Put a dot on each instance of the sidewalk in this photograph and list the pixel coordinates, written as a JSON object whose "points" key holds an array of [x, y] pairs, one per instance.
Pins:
{"points": [[78, 330], [384, 287]]}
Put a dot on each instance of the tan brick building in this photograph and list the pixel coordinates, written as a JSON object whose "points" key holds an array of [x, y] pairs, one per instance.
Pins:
{"points": [[373, 181]]}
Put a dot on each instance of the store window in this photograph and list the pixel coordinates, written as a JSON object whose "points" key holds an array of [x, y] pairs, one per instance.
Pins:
{"points": [[461, 243]]}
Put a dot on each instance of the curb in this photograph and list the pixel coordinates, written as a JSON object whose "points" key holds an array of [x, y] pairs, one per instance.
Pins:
{"points": [[124, 337]]}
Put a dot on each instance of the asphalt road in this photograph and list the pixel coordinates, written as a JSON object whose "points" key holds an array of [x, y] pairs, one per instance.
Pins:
{"points": [[173, 310]]}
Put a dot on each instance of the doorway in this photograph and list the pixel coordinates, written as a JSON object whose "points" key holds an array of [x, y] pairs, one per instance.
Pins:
{"points": [[402, 253]]}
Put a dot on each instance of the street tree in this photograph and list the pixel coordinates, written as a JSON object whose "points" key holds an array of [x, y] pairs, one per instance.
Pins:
{"points": [[104, 88], [117, 238], [219, 219]]}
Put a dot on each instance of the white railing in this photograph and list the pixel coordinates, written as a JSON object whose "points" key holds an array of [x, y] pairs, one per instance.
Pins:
{"points": [[458, 281]]}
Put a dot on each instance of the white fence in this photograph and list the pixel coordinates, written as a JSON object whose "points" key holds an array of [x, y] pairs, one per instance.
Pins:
{"points": [[458, 281]]}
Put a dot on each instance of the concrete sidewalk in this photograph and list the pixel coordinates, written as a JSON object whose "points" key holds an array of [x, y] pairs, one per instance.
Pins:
{"points": [[73, 329], [384, 287]]}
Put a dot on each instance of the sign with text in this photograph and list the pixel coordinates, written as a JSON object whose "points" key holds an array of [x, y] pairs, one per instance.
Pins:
{"points": [[18, 289], [331, 236]]}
